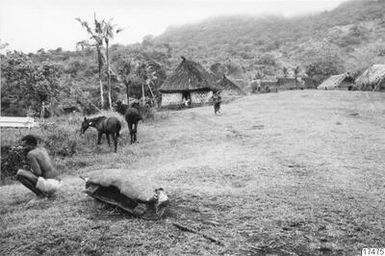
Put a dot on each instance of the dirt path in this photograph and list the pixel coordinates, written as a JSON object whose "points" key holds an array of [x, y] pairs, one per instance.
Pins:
{"points": [[292, 173]]}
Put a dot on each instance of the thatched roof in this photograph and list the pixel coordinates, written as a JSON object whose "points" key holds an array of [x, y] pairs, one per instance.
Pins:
{"points": [[333, 81], [188, 76], [223, 83], [372, 79]]}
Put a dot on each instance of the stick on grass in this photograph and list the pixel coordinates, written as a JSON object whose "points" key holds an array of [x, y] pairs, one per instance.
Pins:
{"points": [[188, 229]]}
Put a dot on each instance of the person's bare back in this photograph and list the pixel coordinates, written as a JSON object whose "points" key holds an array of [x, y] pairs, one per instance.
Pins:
{"points": [[41, 177], [41, 163]]}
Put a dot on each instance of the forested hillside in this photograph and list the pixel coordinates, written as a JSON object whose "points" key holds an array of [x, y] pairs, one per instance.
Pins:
{"points": [[348, 38]]}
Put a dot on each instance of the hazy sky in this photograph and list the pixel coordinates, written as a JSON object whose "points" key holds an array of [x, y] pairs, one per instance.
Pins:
{"points": [[29, 25]]}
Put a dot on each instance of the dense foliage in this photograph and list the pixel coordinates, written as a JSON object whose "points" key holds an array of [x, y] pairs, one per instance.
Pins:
{"points": [[26, 85], [12, 159]]}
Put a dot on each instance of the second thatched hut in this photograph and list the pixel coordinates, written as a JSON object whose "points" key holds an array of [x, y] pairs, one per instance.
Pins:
{"points": [[372, 79], [341, 81], [189, 81], [227, 87]]}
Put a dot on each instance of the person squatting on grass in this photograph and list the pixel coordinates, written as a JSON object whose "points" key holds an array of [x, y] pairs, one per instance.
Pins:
{"points": [[42, 178]]}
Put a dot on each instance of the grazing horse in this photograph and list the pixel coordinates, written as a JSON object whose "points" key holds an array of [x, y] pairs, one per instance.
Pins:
{"points": [[110, 125], [132, 117]]}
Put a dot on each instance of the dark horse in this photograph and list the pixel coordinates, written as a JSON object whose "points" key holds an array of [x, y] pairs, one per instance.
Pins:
{"points": [[110, 125], [132, 117]]}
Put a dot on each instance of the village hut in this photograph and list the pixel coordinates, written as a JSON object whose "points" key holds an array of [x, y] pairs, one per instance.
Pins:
{"points": [[189, 81], [228, 88], [287, 83], [372, 79], [341, 81], [264, 86], [309, 83]]}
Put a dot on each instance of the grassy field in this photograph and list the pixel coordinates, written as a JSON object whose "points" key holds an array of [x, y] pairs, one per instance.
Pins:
{"points": [[288, 173]]}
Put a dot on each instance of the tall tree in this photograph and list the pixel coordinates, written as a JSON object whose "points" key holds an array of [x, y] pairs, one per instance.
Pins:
{"points": [[125, 73], [141, 77], [108, 32], [96, 40]]}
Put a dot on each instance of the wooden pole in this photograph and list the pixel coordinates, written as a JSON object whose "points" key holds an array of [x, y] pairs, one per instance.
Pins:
{"points": [[152, 94], [108, 75], [143, 101]]}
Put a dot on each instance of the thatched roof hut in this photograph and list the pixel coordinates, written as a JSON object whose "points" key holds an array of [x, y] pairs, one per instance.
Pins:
{"points": [[264, 86], [189, 81], [372, 79], [188, 76], [287, 83], [228, 87], [341, 81]]}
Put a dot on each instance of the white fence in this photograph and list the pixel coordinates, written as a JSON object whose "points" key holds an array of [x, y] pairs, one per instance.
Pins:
{"points": [[18, 122]]}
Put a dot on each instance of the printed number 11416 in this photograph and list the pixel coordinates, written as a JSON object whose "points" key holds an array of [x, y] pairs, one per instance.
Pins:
{"points": [[373, 251]]}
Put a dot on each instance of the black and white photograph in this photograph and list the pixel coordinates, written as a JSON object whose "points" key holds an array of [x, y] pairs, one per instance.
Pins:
{"points": [[192, 127]]}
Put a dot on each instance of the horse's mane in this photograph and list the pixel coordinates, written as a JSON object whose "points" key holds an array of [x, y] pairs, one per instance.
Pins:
{"points": [[96, 119]]}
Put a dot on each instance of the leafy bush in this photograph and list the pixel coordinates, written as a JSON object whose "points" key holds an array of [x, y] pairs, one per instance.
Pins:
{"points": [[60, 141], [12, 159], [147, 112]]}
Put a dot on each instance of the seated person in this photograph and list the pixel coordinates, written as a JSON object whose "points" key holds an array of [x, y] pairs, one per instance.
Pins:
{"points": [[187, 101], [42, 178]]}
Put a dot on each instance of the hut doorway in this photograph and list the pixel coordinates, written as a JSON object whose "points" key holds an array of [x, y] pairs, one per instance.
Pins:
{"points": [[186, 98]]}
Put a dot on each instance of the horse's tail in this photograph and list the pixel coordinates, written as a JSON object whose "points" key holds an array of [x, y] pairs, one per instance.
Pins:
{"points": [[119, 126]]}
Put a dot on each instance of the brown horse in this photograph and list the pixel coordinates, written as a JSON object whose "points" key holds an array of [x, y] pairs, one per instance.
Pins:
{"points": [[132, 117], [110, 125]]}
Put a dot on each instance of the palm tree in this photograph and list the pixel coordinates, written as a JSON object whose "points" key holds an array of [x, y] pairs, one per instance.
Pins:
{"points": [[108, 33], [97, 41]]}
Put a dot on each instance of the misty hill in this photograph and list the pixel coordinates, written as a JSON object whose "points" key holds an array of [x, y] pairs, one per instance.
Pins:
{"points": [[352, 35]]}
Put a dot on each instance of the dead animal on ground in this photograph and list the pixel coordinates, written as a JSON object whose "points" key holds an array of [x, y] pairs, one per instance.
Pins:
{"points": [[135, 195]]}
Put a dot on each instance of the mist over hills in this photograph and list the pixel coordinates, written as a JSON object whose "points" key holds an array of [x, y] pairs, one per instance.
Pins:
{"points": [[352, 35]]}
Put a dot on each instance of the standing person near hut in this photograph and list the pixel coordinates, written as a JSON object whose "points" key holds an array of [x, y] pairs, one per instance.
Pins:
{"points": [[217, 100], [42, 177]]}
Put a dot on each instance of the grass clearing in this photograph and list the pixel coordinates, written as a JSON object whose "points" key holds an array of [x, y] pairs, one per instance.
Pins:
{"points": [[290, 173]]}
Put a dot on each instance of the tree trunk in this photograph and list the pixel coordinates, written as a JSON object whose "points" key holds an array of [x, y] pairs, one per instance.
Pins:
{"points": [[108, 77], [100, 65], [52, 106], [128, 92], [143, 100], [152, 94], [101, 92]]}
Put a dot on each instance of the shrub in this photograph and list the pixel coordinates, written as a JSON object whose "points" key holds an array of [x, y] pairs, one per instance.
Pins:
{"points": [[12, 159], [60, 141], [146, 112]]}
